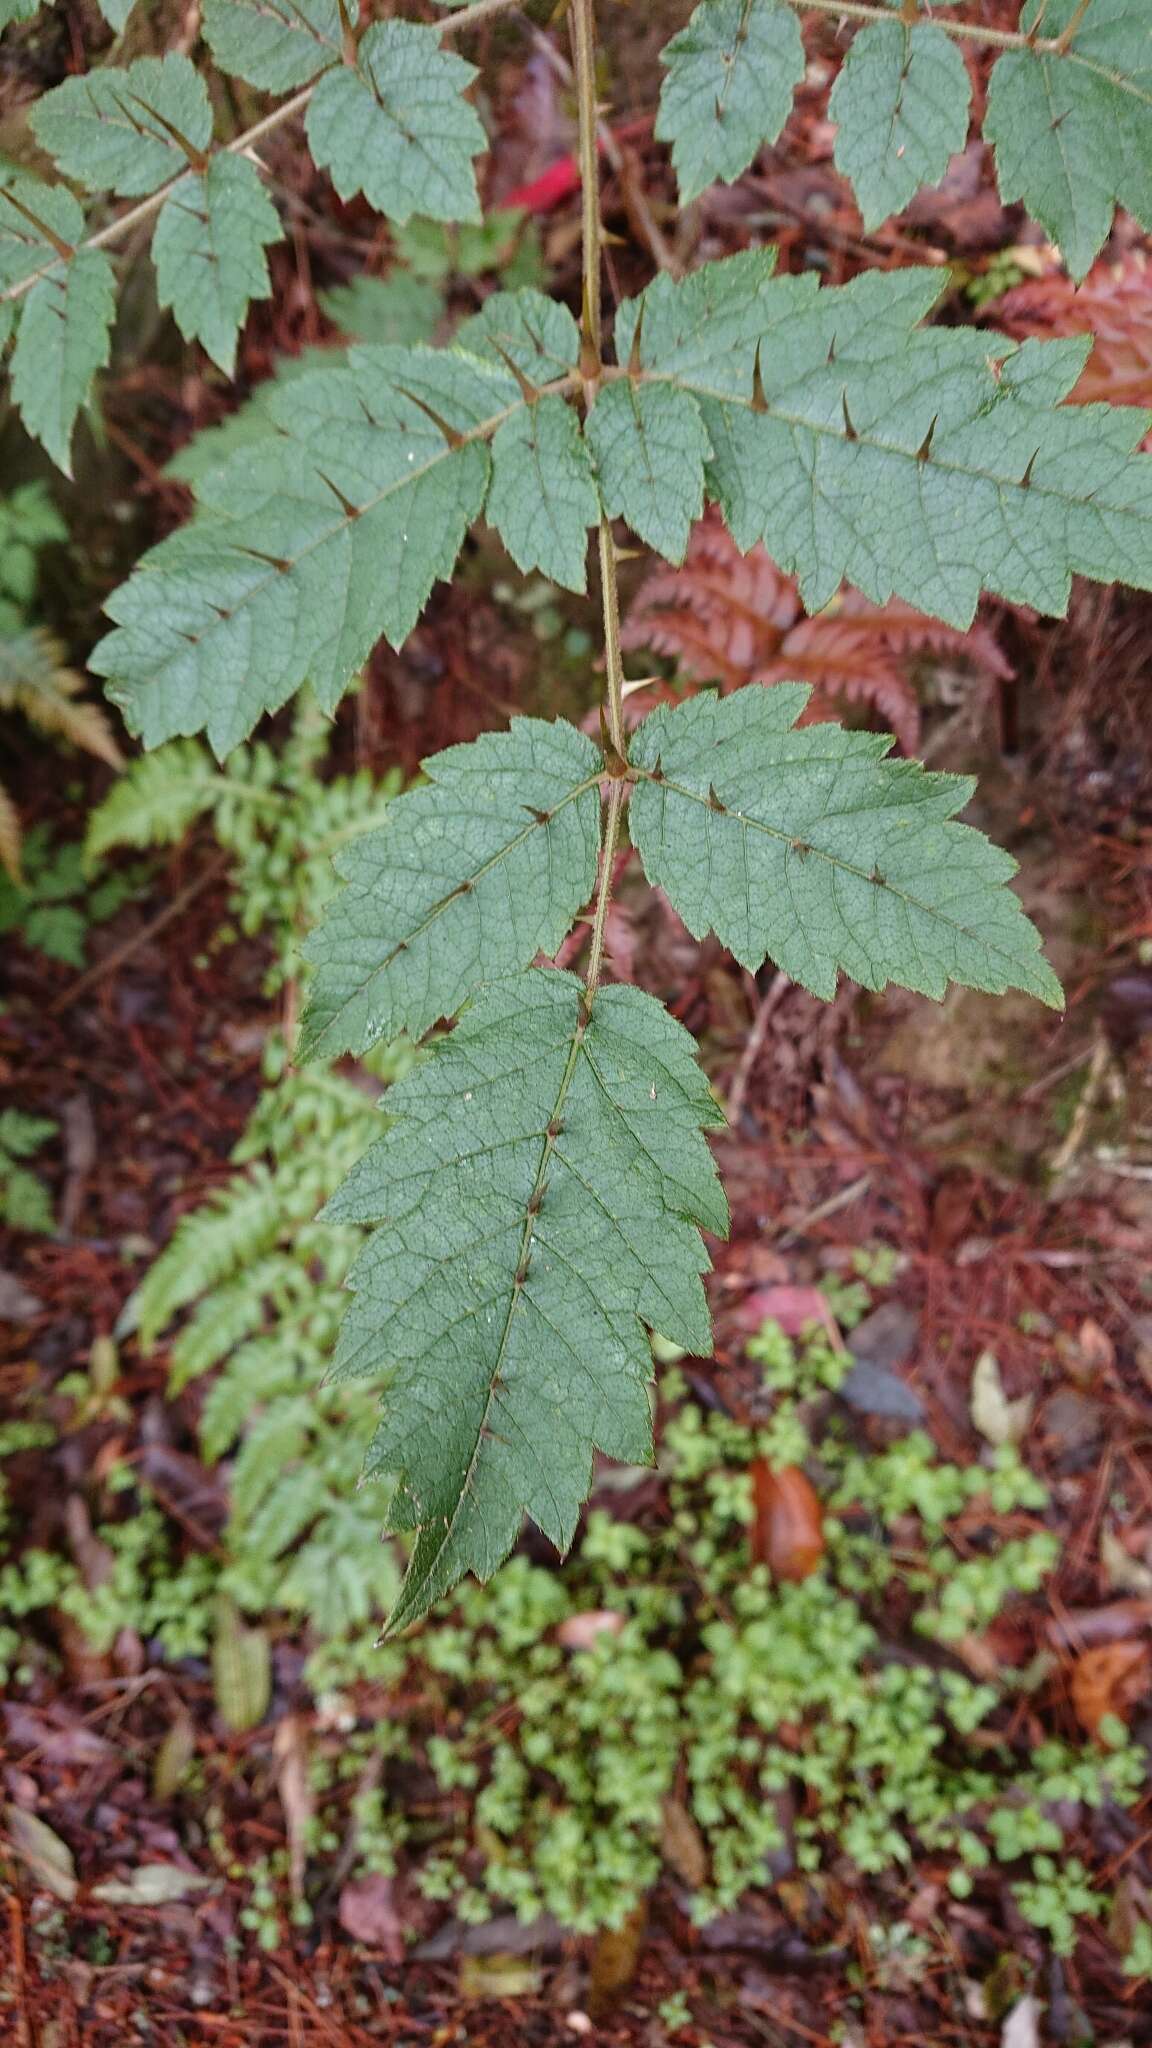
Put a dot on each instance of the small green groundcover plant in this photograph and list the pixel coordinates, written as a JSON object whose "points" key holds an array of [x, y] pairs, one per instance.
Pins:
{"points": [[540, 1195], [663, 1706]]}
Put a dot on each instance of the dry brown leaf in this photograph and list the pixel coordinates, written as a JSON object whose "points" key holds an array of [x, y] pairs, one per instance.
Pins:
{"points": [[497, 1976], [1109, 1681], [615, 1960], [367, 1911], [173, 1757], [151, 1884], [999, 1420], [48, 1859], [290, 1747], [580, 1631], [682, 1845], [788, 1521]]}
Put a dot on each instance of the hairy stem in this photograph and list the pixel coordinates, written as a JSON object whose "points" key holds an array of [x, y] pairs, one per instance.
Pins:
{"points": [[584, 39], [966, 31], [116, 230], [613, 656], [612, 817]]}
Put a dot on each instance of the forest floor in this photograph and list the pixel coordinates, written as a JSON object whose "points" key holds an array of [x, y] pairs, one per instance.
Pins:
{"points": [[1004, 1154]]}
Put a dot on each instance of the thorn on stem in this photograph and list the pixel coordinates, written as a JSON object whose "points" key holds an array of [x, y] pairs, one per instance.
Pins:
{"points": [[759, 395]]}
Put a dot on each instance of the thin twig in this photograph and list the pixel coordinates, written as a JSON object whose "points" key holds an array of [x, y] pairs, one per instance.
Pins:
{"points": [[754, 1045]]}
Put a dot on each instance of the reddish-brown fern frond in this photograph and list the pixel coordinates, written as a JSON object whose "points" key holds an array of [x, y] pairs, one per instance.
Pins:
{"points": [[1114, 305], [733, 619]]}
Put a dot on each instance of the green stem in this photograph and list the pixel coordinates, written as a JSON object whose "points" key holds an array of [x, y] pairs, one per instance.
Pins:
{"points": [[613, 656], [613, 815], [584, 39]]}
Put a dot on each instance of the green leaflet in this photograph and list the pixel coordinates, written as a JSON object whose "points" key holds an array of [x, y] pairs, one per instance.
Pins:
{"points": [[901, 100], [650, 447], [28, 208], [539, 1197], [311, 544], [927, 462], [534, 333], [397, 128], [116, 12], [276, 44], [473, 874], [198, 462], [208, 248], [64, 338], [731, 76], [400, 309], [543, 497], [858, 446], [1073, 132], [809, 847], [122, 130], [17, 10]]}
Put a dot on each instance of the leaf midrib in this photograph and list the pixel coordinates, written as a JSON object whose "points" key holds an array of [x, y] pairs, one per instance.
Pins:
{"points": [[459, 889], [399, 1614], [664, 781], [868, 439], [482, 432]]}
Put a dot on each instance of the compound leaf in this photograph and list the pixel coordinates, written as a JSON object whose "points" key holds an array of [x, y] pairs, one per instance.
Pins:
{"points": [[811, 847], [929, 463], [650, 447], [208, 248], [901, 101], [1073, 129], [539, 1197], [731, 76], [127, 130], [63, 339], [275, 44], [397, 128], [311, 543], [473, 874]]}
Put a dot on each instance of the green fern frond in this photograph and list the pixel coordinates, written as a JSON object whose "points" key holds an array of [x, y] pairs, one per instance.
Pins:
{"points": [[210, 1245], [156, 800]]}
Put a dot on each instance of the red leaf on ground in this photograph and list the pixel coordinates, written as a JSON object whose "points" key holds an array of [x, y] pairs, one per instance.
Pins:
{"points": [[788, 1523]]}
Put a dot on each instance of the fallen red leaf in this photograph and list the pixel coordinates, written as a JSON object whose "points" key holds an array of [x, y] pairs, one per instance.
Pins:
{"points": [[1109, 1681], [788, 1523]]}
